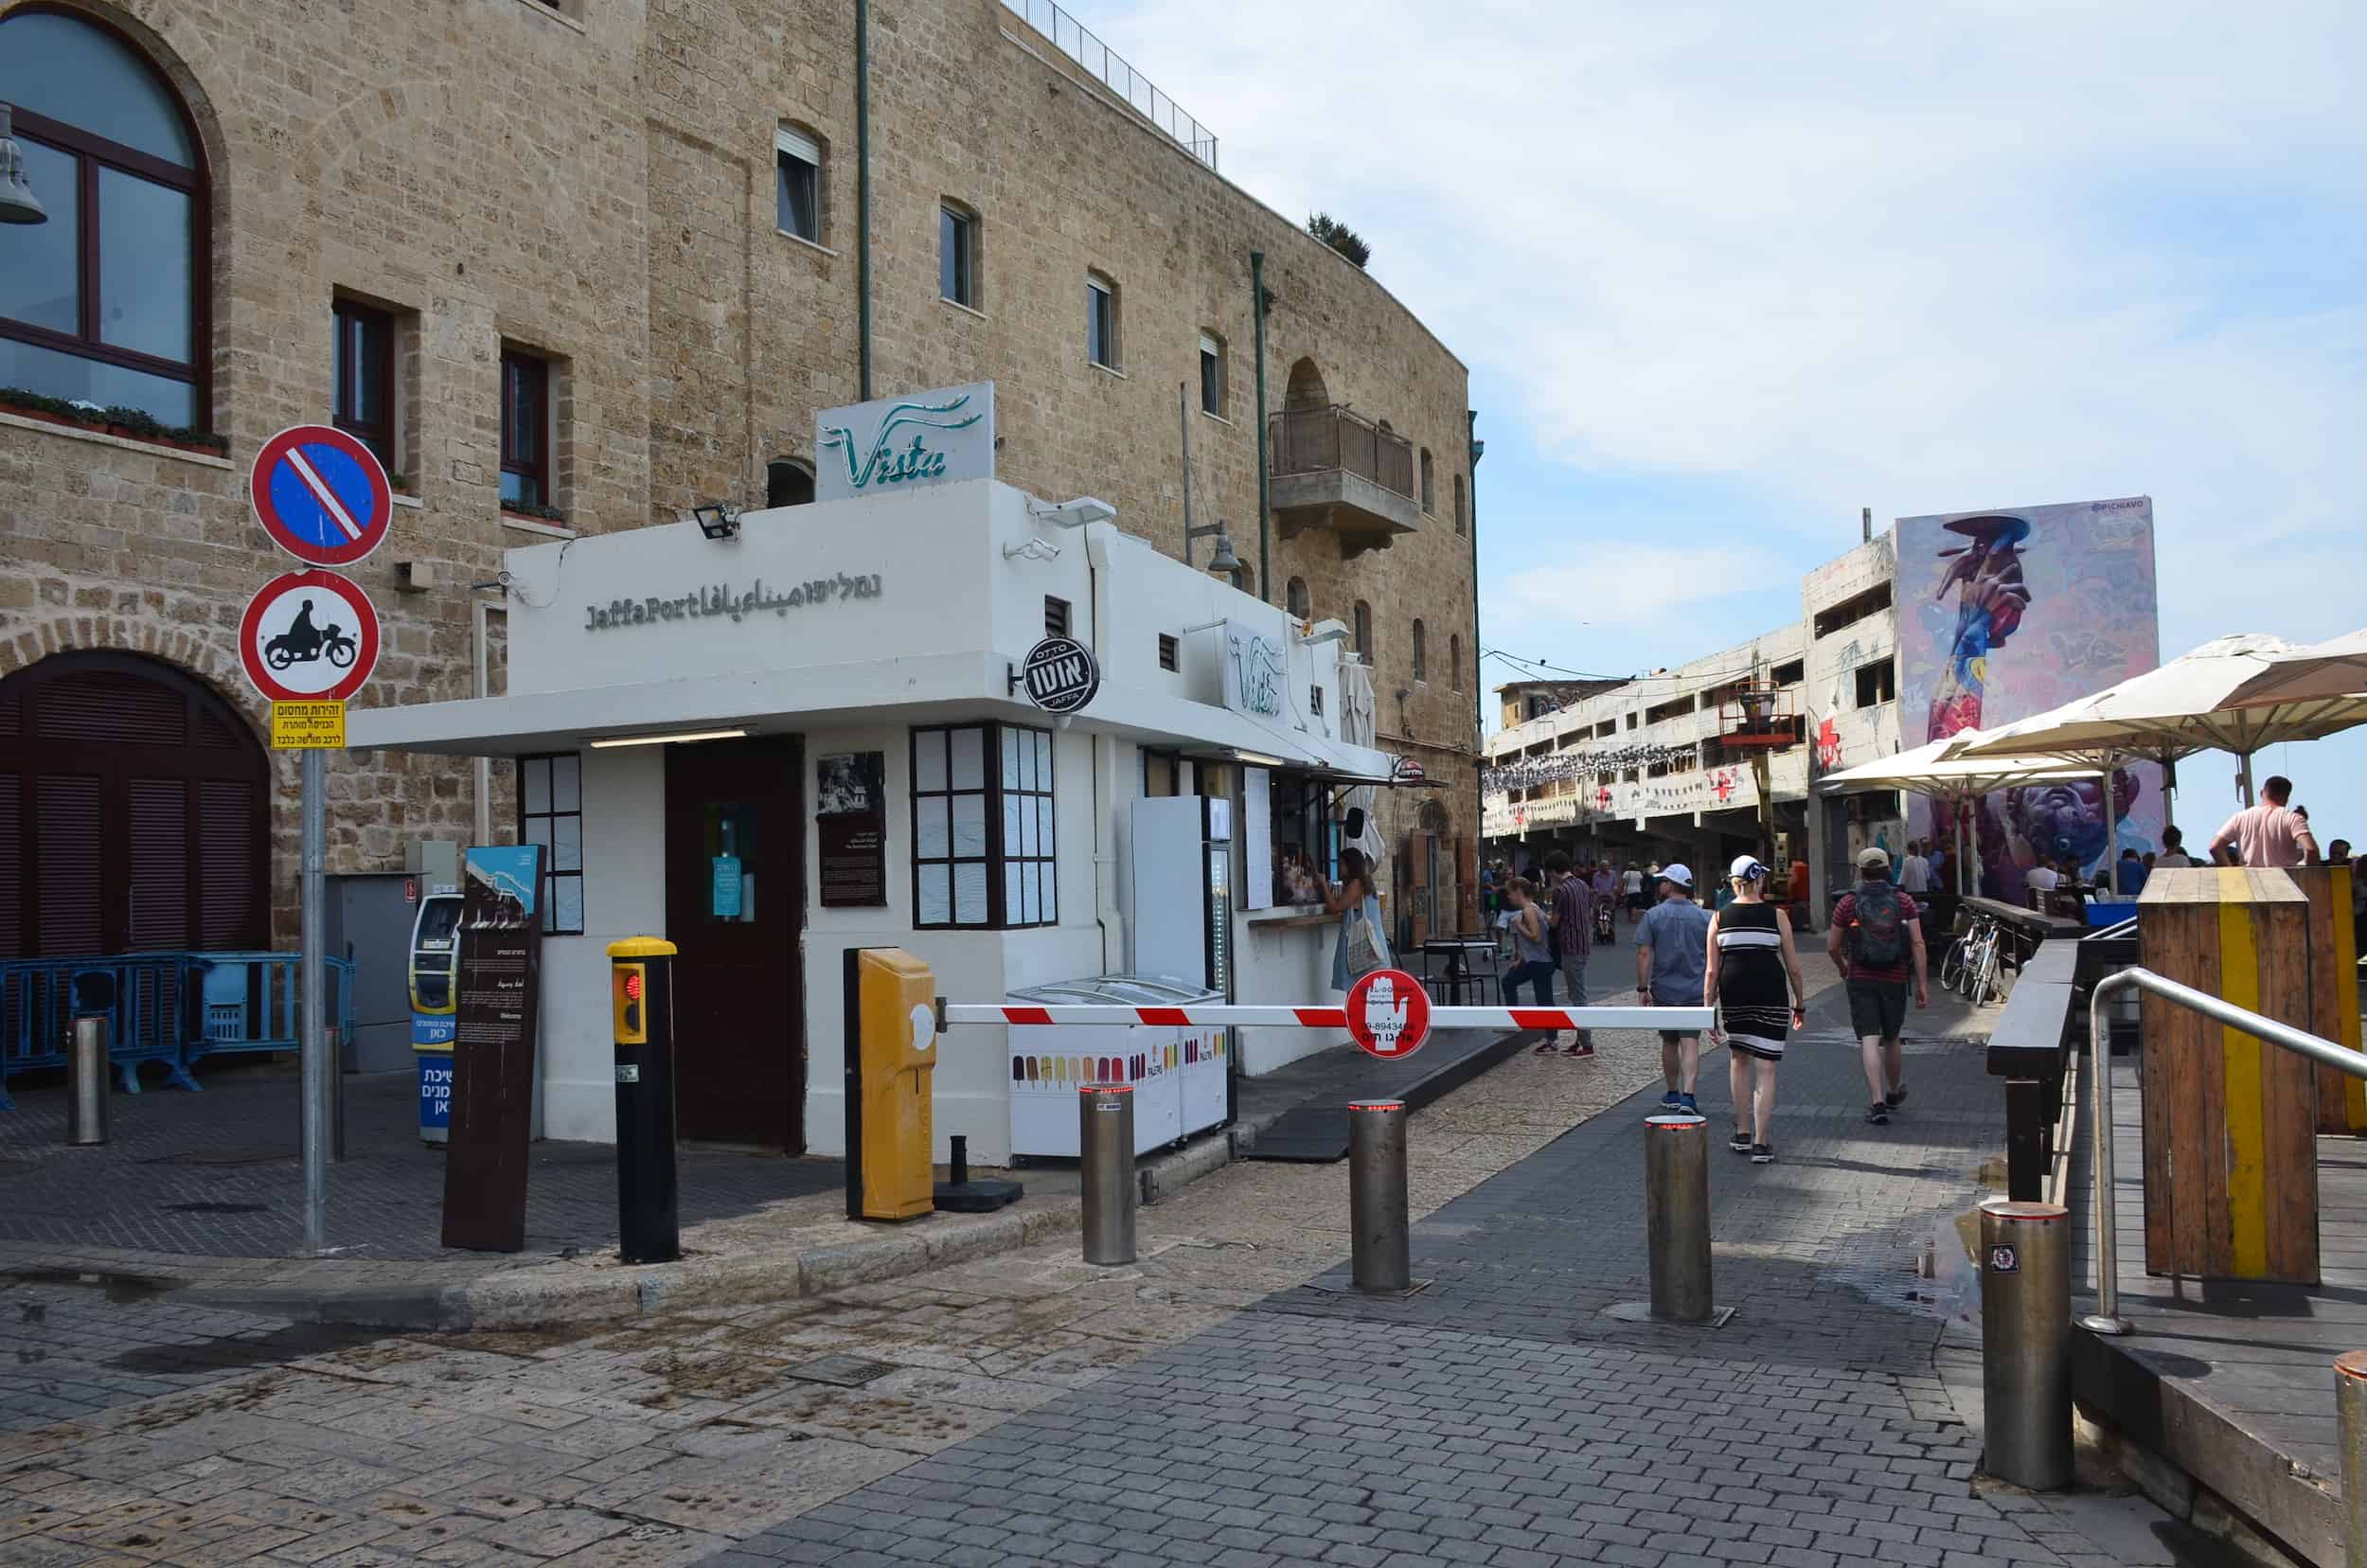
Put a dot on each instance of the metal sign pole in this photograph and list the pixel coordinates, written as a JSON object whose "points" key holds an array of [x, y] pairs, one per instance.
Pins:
{"points": [[312, 1039]]}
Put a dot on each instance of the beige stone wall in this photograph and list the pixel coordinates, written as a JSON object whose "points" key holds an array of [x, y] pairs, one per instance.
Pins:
{"points": [[597, 184]]}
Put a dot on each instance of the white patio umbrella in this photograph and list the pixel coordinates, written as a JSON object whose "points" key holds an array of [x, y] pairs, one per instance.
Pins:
{"points": [[2331, 672], [2191, 705], [1937, 769]]}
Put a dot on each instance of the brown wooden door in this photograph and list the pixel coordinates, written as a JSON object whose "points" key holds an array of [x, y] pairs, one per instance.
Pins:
{"points": [[1421, 877], [735, 904]]}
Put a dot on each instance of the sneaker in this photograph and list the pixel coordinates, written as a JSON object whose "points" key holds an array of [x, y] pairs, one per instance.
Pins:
{"points": [[1762, 1153], [1688, 1105], [1583, 1048], [1672, 1101], [1878, 1113], [1740, 1142], [1896, 1098], [1546, 1046]]}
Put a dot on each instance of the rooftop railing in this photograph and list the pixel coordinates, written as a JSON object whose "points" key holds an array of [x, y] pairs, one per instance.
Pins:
{"points": [[1105, 66], [1315, 440]]}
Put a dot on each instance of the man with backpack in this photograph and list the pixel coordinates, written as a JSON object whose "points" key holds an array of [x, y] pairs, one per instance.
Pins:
{"points": [[1876, 941]]}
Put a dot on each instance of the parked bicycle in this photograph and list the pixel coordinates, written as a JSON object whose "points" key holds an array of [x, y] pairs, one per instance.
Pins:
{"points": [[1979, 960]]}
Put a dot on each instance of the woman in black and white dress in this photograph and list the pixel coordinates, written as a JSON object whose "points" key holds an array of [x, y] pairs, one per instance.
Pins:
{"points": [[1753, 983]]}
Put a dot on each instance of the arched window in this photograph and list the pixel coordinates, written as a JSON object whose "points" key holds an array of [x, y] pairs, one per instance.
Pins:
{"points": [[1429, 490], [106, 301], [1421, 653], [1365, 632], [1296, 600], [788, 482], [1460, 526], [1454, 660]]}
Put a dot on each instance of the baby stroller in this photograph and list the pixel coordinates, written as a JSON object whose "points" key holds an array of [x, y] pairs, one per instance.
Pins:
{"points": [[1605, 909]]}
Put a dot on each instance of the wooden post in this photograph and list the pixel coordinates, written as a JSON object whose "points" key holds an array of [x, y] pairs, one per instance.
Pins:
{"points": [[2231, 1155], [2334, 991]]}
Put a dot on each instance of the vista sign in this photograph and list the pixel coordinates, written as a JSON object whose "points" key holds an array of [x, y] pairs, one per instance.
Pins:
{"points": [[940, 438]]}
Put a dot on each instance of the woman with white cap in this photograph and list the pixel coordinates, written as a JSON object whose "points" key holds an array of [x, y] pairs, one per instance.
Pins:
{"points": [[1753, 983]]}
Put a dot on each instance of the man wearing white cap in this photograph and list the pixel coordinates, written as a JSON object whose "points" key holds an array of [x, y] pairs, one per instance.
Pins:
{"points": [[1672, 946]]}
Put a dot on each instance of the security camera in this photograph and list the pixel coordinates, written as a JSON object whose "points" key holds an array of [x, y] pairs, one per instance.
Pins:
{"points": [[1076, 513]]}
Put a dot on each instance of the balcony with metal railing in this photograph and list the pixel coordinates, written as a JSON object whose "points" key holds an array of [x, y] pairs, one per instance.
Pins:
{"points": [[1104, 64], [1329, 468]]}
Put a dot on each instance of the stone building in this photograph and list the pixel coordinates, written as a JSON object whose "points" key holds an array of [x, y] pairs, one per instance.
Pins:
{"points": [[574, 266]]}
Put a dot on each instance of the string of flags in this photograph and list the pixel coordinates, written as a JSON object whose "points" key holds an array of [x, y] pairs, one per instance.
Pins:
{"points": [[1528, 773]]}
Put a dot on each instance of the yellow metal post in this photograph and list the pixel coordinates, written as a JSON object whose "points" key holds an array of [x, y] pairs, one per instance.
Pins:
{"points": [[891, 1067]]}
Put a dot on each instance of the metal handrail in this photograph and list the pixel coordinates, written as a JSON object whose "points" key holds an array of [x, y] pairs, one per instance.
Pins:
{"points": [[2107, 1318]]}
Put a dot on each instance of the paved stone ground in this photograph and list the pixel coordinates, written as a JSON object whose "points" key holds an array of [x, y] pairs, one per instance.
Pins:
{"points": [[1196, 1407], [1497, 1418], [217, 1174]]}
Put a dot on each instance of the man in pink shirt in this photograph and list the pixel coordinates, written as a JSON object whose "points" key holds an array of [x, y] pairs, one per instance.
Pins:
{"points": [[2270, 833]]}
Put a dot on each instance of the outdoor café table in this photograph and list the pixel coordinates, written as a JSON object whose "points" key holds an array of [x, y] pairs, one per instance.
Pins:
{"points": [[1462, 954]]}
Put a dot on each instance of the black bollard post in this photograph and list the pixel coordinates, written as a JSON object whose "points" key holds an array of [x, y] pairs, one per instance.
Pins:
{"points": [[649, 1221]]}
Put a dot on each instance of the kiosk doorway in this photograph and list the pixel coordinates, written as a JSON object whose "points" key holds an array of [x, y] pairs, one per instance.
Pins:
{"points": [[735, 905]]}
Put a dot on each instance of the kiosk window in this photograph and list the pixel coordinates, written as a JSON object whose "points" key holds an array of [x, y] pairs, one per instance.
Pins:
{"points": [[550, 813], [983, 841], [1306, 838]]}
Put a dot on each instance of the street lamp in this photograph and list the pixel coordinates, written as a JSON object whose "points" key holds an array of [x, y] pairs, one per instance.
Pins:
{"points": [[17, 205]]}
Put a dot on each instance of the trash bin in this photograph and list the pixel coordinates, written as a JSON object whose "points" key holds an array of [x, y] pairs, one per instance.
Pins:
{"points": [[1177, 1072]]}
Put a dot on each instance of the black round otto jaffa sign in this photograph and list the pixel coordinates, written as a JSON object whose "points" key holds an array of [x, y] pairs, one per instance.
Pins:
{"points": [[1060, 675]]}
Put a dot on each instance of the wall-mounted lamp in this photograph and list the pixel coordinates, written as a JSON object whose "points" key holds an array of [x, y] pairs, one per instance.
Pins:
{"points": [[1224, 560], [1329, 634], [715, 520], [17, 205], [1075, 514]]}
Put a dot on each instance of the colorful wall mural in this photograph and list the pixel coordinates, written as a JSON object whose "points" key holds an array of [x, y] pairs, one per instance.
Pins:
{"points": [[2004, 614]]}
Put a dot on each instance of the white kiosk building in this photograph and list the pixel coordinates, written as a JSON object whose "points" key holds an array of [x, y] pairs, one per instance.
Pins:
{"points": [[774, 738]]}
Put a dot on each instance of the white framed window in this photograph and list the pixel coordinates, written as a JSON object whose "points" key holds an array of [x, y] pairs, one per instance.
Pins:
{"points": [[983, 839], [797, 183], [1101, 321], [1212, 374]]}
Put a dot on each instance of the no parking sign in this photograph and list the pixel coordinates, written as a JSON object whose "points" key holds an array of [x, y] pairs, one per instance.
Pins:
{"points": [[321, 495]]}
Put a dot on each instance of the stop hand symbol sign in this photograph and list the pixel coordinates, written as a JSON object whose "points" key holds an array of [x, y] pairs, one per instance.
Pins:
{"points": [[1388, 1014]]}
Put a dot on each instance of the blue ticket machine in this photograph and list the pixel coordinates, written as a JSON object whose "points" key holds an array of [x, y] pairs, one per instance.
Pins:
{"points": [[435, 994]]}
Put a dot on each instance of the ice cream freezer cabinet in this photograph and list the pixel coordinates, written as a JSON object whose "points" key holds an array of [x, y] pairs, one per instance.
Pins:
{"points": [[1178, 1072]]}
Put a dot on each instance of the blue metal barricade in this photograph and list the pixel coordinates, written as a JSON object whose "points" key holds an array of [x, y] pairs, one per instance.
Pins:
{"points": [[172, 1007]]}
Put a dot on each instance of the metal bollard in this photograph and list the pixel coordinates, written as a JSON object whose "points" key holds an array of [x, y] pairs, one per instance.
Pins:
{"points": [[1677, 1216], [2350, 1414], [1105, 1149], [86, 1083], [1382, 1257], [641, 998], [2026, 1342]]}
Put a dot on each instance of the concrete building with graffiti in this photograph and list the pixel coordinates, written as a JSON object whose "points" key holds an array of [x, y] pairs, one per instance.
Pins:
{"points": [[1944, 622]]}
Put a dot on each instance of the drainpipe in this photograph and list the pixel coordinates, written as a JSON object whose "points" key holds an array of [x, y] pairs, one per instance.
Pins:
{"points": [[1105, 764], [1478, 448], [1257, 310], [863, 190]]}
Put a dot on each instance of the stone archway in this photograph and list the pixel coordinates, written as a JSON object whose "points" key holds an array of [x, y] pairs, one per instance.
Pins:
{"points": [[134, 811], [1306, 387]]}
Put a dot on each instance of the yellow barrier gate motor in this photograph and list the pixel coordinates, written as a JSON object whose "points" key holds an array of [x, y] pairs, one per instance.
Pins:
{"points": [[891, 1064]]}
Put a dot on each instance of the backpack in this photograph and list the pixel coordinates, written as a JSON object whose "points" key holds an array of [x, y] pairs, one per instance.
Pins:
{"points": [[1879, 928]]}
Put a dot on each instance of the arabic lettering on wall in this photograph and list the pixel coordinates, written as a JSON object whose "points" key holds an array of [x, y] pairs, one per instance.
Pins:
{"points": [[718, 599]]}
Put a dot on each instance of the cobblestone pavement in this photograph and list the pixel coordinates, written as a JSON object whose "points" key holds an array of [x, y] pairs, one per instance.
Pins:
{"points": [[216, 1174], [1202, 1406]]}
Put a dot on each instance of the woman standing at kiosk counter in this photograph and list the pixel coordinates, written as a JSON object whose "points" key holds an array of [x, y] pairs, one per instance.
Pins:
{"points": [[1352, 898]]}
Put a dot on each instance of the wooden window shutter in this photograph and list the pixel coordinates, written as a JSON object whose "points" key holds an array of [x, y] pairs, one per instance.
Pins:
{"points": [[66, 874]]}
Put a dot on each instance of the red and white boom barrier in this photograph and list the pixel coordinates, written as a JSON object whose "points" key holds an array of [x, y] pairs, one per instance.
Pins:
{"points": [[1688, 1019]]}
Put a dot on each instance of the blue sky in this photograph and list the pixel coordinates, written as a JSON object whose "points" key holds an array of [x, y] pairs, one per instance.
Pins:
{"points": [[1725, 273]]}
